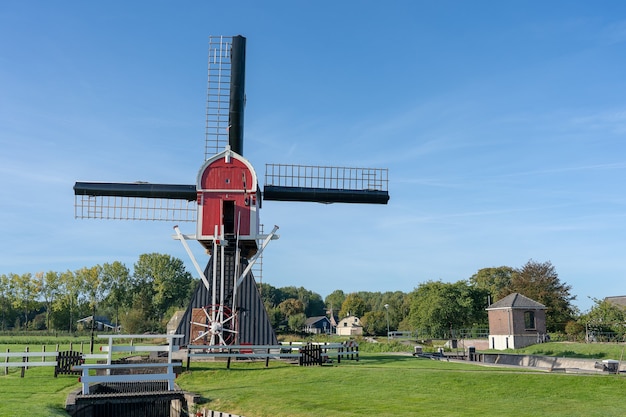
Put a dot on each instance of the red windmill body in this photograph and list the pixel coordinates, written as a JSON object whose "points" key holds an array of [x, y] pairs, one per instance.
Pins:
{"points": [[228, 197]]}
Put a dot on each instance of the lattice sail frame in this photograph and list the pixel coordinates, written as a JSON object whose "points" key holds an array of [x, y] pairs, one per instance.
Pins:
{"points": [[328, 177], [218, 95], [134, 208]]}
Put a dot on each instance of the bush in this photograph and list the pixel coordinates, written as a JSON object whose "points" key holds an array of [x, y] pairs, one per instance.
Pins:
{"points": [[575, 331]]}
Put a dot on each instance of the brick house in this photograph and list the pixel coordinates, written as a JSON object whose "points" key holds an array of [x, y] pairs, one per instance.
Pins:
{"points": [[516, 321]]}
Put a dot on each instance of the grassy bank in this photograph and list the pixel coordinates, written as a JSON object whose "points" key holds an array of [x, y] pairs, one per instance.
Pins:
{"points": [[400, 385], [574, 350], [380, 384]]}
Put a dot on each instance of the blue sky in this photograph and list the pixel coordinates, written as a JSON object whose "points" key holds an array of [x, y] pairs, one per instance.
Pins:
{"points": [[503, 125]]}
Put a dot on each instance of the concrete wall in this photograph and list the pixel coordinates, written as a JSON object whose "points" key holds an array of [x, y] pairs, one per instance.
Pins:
{"points": [[545, 362], [511, 341]]}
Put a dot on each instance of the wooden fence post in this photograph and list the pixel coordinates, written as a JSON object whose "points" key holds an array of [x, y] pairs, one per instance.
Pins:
{"points": [[24, 359], [6, 369]]}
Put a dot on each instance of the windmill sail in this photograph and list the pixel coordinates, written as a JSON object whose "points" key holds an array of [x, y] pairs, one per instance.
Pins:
{"points": [[324, 184]]}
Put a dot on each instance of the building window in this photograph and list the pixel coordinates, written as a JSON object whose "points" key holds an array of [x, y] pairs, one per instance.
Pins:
{"points": [[529, 320]]}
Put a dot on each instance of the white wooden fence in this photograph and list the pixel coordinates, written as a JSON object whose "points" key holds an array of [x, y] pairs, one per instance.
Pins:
{"points": [[349, 349], [86, 379], [24, 360]]}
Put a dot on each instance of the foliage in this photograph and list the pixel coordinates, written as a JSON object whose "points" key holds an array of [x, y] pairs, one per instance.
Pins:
{"points": [[312, 303], [574, 330], [540, 282], [493, 280], [374, 323], [441, 307], [54, 300], [296, 322], [334, 300], [26, 290], [163, 279], [353, 305], [116, 281], [143, 300], [605, 317], [291, 307]]}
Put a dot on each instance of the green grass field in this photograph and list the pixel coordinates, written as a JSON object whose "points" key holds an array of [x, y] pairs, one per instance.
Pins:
{"points": [[577, 350], [380, 384], [400, 385]]}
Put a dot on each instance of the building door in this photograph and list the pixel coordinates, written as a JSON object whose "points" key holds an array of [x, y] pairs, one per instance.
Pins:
{"points": [[228, 217]]}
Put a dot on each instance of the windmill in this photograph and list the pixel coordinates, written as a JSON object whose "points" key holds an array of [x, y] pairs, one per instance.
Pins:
{"points": [[224, 203]]}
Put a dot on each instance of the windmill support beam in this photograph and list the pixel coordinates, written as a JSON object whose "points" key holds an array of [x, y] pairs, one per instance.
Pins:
{"points": [[324, 195], [137, 189], [252, 260], [183, 239]]}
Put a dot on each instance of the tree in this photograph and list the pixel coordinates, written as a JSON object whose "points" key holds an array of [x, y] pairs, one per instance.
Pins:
{"points": [[439, 307], [315, 306], [91, 279], [270, 295], [398, 307], [67, 302], [605, 317], [163, 279], [26, 290], [49, 288], [312, 302], [296, 322], [493, 280], [6, 300], [116, 282], [335, 300], [291, 307], [275, 316], [540, 282], [92, 285], [374, 323], [353, 305]]}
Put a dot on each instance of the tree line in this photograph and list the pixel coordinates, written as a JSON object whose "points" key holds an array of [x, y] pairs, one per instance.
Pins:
{"points": [[146, 298], [140, 301]]}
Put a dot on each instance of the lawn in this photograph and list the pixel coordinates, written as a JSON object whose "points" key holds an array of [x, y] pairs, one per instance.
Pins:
{"points": [[400, 385], [380, 384], [575, 350]]}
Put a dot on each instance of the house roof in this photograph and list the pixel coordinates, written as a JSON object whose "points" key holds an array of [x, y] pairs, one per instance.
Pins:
{"points": [[312, 320], [619, 300], [99, 319], [352, 321], [516, 301]]}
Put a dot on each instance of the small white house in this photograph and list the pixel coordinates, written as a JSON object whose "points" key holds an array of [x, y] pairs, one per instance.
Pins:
{"points": [[349, 326]]}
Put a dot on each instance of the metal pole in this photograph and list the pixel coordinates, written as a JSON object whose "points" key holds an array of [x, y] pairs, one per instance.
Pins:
{"points": [[387, 314]]}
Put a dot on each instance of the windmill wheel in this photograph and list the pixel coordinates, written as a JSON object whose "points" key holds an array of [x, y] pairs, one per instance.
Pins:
{"points": [[218, 326]]}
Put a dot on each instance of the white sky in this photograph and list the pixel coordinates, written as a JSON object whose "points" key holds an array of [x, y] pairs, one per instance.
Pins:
{"points": [[503, 125]]}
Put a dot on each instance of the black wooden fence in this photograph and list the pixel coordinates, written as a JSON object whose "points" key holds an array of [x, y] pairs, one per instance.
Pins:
{"points": [[310, 355]]}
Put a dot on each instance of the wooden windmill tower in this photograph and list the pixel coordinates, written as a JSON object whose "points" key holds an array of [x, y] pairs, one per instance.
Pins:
{"points": [[224, 203]]}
